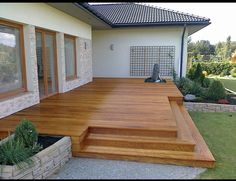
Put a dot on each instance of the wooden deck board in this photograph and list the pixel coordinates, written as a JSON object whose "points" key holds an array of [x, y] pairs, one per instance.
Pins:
{"points": [[124, 108]]}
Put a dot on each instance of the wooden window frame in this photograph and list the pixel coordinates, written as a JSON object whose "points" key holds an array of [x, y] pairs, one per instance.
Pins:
{"points": [[53, 33], [73, 77], [22, 57]]}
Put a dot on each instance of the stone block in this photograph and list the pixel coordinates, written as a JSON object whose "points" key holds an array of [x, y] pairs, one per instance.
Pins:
{"points": [[47, 166]]}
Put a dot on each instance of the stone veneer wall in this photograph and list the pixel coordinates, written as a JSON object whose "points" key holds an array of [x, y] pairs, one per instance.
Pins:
{"points": [[209, 107], [46, 162], [84, 63], [16, 103]]}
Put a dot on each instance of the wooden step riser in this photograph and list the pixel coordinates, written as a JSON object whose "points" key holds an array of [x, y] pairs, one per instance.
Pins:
{"points": [[4, 134], [134, 132], [193, 163], [143, 145]]}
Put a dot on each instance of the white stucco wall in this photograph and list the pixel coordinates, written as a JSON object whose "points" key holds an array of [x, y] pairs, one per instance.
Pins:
{"points": [[116, 63], [45, 16]]}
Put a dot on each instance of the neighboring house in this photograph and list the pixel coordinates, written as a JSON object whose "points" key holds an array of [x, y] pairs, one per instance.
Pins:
{"points": [[55, 47]]}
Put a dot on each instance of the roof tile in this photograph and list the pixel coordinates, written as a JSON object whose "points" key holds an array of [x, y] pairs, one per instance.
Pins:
{"points": [[132, 13]]}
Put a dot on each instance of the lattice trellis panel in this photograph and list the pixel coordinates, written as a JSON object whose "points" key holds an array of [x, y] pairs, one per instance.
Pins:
{"points": [[142, 59]]}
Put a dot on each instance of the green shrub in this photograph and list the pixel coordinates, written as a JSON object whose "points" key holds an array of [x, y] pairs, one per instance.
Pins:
{"points": [[224, 73], [215, 68], [26, 132], [206, 83], [234, 75], [195, 89], [233, 72], [199, 99], [184, 84], [188, 86], [190, 73], [13, 152], [198, 72], [216, 91]]}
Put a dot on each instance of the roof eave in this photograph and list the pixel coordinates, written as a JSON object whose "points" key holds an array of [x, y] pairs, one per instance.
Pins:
{"points": [[160, 24], [88, 8]]}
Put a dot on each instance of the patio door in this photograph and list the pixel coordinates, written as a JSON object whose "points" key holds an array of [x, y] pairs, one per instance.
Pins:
{"points": [[46, 62]]}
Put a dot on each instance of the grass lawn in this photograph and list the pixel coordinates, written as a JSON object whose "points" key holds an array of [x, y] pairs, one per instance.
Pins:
{"points": [[219, 132], [229, 83]]}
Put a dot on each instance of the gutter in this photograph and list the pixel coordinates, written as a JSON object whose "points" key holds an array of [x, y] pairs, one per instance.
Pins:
{"points": [[120, 25], [182, 50]]}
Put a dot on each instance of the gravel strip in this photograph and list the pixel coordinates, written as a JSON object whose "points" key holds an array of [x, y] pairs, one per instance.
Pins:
{"points": [[88, 168]]}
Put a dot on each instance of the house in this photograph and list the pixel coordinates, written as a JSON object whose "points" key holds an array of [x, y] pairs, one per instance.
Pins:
{"points": [[48, 50], [56, 47]]}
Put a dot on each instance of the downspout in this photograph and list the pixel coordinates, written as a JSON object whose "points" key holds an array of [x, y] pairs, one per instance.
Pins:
{"points": [[182, 52]]}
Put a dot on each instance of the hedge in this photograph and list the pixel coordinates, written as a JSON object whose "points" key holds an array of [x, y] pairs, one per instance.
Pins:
{"points": [[216, 68]]}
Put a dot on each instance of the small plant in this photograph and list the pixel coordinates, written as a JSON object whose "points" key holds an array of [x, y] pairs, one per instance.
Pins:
{"points": [[18, 149], [13, 152], [174, 75], [26, 132], [233, 72], [216, 91]]}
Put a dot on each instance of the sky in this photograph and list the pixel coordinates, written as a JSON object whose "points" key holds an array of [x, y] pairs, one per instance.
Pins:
{"points": [[222, 17]]}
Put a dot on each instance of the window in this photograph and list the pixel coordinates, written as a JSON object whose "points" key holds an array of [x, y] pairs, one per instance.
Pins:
{"points": [[70, 57], [12, 65]]}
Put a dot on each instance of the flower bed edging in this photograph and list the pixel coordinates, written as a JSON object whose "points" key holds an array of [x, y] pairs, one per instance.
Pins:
{"points": [[46, 162], [209, 107]]}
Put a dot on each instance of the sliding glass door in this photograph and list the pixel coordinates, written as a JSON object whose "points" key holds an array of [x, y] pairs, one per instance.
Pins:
{"points": [[46, 60]]}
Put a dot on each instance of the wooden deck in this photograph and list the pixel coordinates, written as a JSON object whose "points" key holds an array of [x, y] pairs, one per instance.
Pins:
{"points": [[121, 119]]}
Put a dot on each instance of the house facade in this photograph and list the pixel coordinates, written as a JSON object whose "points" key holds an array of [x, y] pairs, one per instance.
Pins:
{"points": [[50, 48]]}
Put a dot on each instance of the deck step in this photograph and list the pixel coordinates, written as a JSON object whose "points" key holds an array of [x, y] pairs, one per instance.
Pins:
{"points": [[125, 131], [145, 155], [124, 141]]}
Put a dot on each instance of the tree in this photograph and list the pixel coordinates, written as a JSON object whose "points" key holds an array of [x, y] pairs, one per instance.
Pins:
{"points": [[227, 52]]}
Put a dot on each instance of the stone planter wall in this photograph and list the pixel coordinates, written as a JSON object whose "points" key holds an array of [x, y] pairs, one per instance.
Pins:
{"points": [[209, 107], [46, 162]]}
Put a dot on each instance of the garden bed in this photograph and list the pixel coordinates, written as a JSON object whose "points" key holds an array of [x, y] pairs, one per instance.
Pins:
{"points": [[56, 152]]}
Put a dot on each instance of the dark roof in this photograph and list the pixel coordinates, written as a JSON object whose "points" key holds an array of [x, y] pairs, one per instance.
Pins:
{"points": [[132, 14]]}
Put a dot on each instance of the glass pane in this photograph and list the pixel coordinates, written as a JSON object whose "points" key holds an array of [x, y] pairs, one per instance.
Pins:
{"points": [[49, 48], [69, 57], [40, 64], [10, 59]]}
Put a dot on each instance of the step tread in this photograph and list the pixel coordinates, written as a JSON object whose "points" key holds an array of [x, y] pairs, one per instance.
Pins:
{"points": [[145, 139], [112, 126], [166, 154]]}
